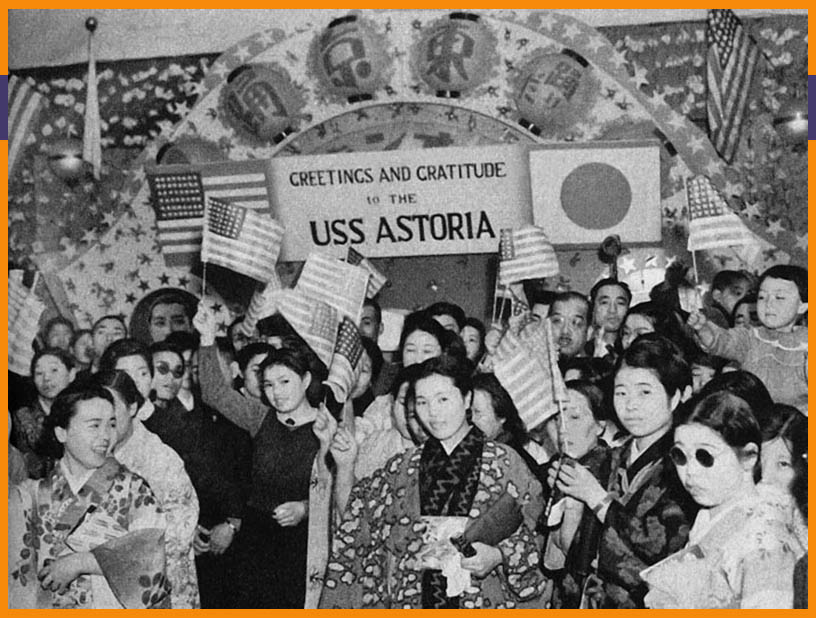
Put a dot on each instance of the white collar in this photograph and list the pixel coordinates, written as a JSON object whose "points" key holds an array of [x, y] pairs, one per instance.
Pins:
{"points": [[75, 482], [187, 400], [297, 418], [146, 411]]}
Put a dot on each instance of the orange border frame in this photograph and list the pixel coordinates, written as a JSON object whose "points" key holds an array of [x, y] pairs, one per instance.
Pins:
{"points": [[4, 309]]}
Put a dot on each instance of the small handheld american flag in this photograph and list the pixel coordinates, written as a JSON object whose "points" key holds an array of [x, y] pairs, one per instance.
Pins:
{"points": [[242, 240], [712, 223], [376, 279], [345, 364]]}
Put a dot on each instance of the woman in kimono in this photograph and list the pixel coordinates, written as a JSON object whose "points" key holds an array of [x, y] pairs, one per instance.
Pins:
{"points": [[644, 511], [91, 534], [377, 549], [144, 453], [741, 551]]}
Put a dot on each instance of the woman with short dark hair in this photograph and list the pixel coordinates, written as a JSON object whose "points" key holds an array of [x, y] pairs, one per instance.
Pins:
{"points": [[456, 472], [741, 552]]}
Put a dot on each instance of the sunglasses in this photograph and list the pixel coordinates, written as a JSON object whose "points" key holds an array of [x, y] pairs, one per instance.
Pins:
{"points": [[680, 459], [164, 369]]}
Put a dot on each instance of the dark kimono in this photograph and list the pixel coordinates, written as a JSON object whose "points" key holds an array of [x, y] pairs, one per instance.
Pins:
{"points": [[648, 520], [372, 563], [28, 437], [47, 520]]}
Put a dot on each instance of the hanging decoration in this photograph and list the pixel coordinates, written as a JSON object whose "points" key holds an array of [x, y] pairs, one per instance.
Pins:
{"points": [[92, 140], [456, 54], [189, 150], [261, 102], [350, 59], [555, 91]]}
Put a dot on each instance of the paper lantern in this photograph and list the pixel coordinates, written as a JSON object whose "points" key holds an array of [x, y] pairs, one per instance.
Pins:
{"points": [[189, 150], [261, 101], [65, 159], [351, 59], [456, 54], [554, 86]]}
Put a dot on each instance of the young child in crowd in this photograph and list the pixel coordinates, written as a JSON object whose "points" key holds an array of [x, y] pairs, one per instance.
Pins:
{"points": [[777, 350]]}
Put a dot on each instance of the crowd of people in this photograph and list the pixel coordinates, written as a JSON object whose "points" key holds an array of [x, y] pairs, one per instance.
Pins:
{"points": [[154, 464]]}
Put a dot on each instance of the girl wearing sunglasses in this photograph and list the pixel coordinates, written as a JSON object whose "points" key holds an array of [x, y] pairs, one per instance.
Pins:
{"points": [[741, 552], [642, 508]]}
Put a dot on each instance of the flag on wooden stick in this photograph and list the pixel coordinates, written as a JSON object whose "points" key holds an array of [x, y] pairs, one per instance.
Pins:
{"points": [[242, 240], [345, 367], [341, 285], [525, 253], [315, 321], [732, 61], [25, 310], [376, 279], [712, 223], [526, 364]]}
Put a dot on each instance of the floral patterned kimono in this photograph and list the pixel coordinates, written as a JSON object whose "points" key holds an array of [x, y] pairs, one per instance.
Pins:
{"points": [[48, 520], [145, 454], [372, 562], [742, 557]]}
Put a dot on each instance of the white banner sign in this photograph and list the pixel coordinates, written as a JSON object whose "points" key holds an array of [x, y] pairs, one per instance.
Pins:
{"points": [[400, 203]]}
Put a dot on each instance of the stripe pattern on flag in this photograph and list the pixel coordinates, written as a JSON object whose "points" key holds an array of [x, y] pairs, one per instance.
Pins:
{"points": [[262, 305], [525, 253], [24, 105], [341, 285], [376, 279], [315, 321], [179, 194], [242, 240], [25, 310], [730, 66], [712, 223], [345, 367]]}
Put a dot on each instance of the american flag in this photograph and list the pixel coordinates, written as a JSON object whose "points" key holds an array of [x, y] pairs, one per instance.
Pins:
{"points": [[242, 240], [262, 305], [315, 321], [341, 285], [712, 223], [24, 105], [527, 366], [732, 60], [345, 363], [376, 279], [179, 193], [525, 253], [24, 314]]}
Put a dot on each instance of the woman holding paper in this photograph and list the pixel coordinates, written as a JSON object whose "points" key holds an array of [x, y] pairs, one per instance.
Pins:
{"points": [[91, 534], [384, 552]]}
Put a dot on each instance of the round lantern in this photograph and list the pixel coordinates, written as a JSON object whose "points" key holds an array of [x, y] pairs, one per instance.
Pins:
{"points": [[65, 159], [189, 150], [351, 59], [261, 101], [456, 54], [556, 85]]}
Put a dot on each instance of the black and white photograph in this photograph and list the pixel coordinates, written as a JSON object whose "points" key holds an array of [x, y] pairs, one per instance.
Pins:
{"points": [[407, 308]]}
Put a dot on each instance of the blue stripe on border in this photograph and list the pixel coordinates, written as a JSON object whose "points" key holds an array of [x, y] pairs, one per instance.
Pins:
{"points": [[811, 88], [4, 84]]}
